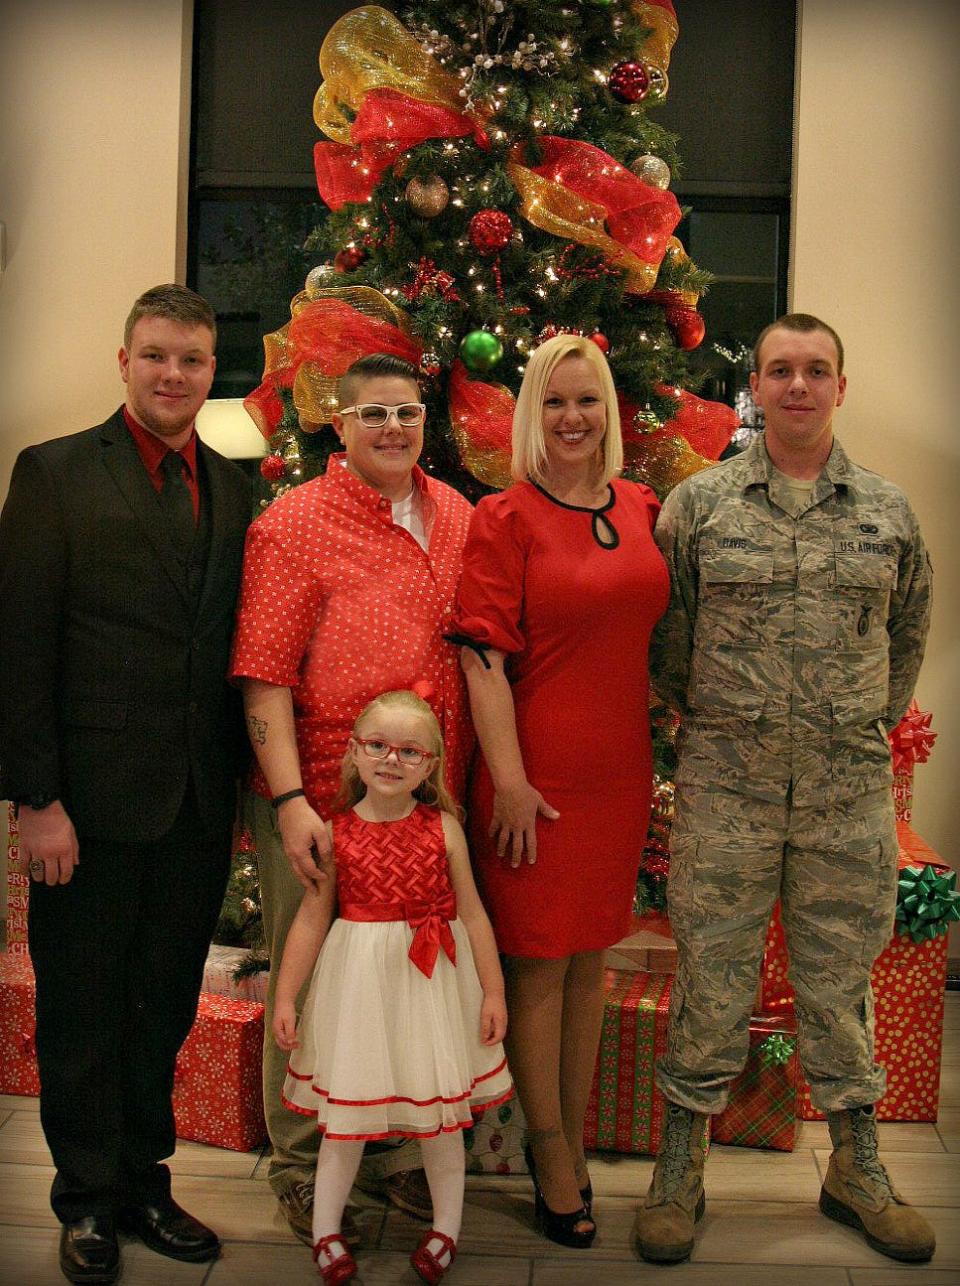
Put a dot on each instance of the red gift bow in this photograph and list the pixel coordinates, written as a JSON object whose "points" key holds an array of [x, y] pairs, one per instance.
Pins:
{"points": [[912, 739], [431, 931], [387, 124]]}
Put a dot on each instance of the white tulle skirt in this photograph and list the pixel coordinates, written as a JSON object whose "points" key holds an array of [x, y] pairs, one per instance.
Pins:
{"points": [[386, 1052]]}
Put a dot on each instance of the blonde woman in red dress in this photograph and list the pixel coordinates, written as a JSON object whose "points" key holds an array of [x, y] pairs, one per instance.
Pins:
{"points": [[561, 587]]}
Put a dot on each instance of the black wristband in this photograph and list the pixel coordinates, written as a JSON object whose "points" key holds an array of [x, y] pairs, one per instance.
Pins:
{"points": [[290, 794]]}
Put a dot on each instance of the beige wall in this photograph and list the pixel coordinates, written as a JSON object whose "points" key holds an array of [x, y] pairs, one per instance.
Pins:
{"points": [[874, 253], [91, 180]]}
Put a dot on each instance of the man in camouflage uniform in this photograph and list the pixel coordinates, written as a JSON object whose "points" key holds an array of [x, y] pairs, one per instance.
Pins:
{"points": [[798, 614]]}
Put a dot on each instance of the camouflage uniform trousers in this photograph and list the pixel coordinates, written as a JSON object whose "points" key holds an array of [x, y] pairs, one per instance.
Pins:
{"points": [[834, 867]]}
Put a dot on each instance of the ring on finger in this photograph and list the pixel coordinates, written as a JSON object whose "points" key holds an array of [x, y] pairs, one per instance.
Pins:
{"points": [[36, 868]]}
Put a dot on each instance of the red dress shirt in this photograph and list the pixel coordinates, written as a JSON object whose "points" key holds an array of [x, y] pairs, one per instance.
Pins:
{"points": [[339, 604], [152, 450]]}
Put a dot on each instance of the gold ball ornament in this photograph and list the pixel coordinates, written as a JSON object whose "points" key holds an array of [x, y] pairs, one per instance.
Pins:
{"points": [[646, 420], [653, 170], [427, 197]]}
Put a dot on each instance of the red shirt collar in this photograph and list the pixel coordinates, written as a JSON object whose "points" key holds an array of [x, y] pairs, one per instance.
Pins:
{"points": [[152, 449]]}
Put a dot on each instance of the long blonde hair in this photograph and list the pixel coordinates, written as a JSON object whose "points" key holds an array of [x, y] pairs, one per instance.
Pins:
{"points": [[433, 789], [529, 449]]}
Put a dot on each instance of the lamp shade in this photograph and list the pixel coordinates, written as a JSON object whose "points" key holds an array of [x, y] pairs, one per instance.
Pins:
{"points": [[225, 425]]}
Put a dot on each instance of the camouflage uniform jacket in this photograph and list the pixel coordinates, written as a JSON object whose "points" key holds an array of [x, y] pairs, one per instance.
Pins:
{"points": [[794, 633]]}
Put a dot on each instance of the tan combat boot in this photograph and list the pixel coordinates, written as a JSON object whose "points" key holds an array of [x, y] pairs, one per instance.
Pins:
{"points": [[665, 1222], [857, 1190]]}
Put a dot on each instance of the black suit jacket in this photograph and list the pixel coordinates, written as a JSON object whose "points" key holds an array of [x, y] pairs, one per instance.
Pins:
{"points": [[113, 683]]}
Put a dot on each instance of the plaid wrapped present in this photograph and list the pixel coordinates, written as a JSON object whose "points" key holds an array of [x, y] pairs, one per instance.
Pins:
{"points": [[625, 1111], [762, 1109]]}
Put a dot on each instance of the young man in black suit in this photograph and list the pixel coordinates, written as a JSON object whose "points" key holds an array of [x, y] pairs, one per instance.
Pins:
{"points": [[120, 742]]}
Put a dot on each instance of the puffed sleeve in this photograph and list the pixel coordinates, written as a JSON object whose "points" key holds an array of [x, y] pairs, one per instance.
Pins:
{"points": [[490, 601]]}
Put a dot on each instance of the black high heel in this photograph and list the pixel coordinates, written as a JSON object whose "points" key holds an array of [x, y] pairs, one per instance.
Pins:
{"points": [[561, 1228]]}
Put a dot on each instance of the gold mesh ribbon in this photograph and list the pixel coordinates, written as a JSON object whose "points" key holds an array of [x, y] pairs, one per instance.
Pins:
{"points": [[555, 209], [314, 393], [657, 47], [369, 48], [663, 461]]}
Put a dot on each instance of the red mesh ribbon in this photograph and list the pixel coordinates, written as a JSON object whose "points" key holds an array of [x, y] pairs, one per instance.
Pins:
{"points": [[482, 419], [333, 335], [912, 739], [387, 124], [640, 217], [706, 426], [665, 4], [483, 411], [264, 406]]}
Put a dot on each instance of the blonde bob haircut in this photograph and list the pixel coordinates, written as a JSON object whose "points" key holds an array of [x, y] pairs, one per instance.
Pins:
{"points": [[529, 448]]}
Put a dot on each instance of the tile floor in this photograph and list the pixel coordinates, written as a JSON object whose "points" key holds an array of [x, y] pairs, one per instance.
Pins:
{"points": [[762, 1227]]}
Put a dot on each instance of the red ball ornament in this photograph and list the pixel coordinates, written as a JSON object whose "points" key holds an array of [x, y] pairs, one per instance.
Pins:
{"points": [[688, 326], [348, 258], [272, 468], [601, 341], [629, 82], [490, 231]]}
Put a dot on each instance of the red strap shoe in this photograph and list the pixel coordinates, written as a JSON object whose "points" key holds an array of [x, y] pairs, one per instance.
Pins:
{"points": [[426, 1263], [339, 1268]]}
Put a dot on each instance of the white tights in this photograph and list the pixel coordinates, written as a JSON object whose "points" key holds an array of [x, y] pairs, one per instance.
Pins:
{"points": [[443, 1161]]}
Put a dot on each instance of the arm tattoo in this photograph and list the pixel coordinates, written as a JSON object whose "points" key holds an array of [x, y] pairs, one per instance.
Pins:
{"points": [[258, 729]]}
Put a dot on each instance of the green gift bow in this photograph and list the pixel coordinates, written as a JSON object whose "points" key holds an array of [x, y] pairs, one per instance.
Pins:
{"points": [[926, 902], [777, 1050]]}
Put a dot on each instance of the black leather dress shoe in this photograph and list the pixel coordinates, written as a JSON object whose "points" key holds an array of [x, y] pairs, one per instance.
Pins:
{"points": [[88, 1250], [165, 1228]]}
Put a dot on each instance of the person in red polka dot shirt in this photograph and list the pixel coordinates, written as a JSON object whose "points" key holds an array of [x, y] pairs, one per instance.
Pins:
{"points": [[349, 584]]}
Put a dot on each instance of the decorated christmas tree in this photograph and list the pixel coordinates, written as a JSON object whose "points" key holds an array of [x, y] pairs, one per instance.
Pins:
{"points": [[494, 176]]}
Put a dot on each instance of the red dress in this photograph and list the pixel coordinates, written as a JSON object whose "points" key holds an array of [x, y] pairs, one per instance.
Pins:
{"points": [[575, 617], [389, 1040]]}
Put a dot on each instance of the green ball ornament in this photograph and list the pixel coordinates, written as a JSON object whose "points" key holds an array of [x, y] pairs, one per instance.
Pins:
{"points": [[480, 350]]}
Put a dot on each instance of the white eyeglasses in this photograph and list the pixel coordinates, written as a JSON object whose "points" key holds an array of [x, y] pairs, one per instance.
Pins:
{"points": [[374, 416]]}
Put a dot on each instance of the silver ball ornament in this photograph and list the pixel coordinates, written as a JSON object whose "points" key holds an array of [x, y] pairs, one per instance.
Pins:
{"points": [[319, 278]]}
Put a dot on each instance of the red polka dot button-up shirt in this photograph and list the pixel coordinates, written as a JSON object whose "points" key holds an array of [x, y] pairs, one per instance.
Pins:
{"points": [[339, 604]]}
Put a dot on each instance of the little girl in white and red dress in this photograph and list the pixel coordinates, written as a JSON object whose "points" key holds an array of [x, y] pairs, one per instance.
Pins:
{"points": [[401, 1030]]}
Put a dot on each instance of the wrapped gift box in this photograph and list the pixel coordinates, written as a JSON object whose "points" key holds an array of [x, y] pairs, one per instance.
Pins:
{"points": [[218, 975], [762, 1109], [18, 888], [625, 1112], [18, 1051], [908, 980], [494, 1144], [217, 1087]]}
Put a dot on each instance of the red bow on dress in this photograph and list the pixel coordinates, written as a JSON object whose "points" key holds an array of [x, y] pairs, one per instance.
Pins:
{"points": [[431, 931]]}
